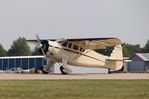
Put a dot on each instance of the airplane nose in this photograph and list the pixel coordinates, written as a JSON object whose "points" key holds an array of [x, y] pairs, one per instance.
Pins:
{"points": [[45, 47]]}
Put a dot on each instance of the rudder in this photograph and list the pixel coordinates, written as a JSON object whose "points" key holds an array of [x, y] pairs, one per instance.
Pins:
{"points": [[115, 61]]}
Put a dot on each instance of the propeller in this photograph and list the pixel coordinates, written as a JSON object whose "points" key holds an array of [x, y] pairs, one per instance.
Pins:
{"points": [[39, 45]]}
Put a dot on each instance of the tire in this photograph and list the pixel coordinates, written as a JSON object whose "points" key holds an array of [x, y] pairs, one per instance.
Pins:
{"points": [[44, 72], [62, 70]]}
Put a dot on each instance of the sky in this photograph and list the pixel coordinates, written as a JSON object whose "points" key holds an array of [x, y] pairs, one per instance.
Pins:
{"points": [[124, 19]]}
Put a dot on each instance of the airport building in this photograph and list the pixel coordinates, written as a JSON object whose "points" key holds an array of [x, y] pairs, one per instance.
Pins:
{"points": [[24, 62], [139, 62]]}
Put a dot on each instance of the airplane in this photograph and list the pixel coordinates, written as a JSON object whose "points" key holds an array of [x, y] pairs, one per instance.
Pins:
{"points": [[79, 52]]}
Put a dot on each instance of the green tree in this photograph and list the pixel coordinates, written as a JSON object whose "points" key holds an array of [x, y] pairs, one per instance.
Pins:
{"points": [[2, 51], [146, 47], [129, 49], [19, 48], [126, 52]]}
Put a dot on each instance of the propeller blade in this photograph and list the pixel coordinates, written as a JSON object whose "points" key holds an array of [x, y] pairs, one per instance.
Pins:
{"points": [[39, 42], [43, 52], [39, 45]]}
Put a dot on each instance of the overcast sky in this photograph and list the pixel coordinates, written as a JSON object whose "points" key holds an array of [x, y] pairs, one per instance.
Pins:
{"points": [[125, 19]]}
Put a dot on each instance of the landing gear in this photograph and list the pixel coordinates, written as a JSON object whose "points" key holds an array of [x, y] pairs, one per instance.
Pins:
{"points": [[109, 72], [44, 72], [62, 70]]}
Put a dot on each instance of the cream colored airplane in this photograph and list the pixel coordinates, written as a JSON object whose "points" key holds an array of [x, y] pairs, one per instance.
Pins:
{"points": [[79, 52]]}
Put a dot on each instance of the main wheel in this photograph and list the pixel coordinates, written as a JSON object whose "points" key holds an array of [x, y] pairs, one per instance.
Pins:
{"points": [[62, 70], [44, 72]]}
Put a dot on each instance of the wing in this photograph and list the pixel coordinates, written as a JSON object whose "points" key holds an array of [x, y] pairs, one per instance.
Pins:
{"points": [[89, 43], [95, 43]]}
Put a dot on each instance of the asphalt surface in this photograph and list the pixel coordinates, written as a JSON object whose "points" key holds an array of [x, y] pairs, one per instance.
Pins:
{"points": [[116, 76]]}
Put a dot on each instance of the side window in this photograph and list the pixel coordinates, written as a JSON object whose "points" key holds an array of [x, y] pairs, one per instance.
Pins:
{"points": [[75, 47], [65, 44], [69, 45]]}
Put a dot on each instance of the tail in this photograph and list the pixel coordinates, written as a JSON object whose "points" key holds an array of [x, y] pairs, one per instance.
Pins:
{"points": [[115, 61]]}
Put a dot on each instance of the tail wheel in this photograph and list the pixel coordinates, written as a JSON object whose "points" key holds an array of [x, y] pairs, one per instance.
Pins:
{"points": [[62, 70], [109, 72]]}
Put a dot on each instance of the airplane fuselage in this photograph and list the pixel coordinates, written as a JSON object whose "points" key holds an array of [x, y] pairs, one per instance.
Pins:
{"points": [[75, 54]]}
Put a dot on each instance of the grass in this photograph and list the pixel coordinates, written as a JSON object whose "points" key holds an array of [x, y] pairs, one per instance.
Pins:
{"points": [[75, 89]]}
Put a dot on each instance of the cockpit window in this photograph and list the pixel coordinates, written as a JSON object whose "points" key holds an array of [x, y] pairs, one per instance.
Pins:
{"points": [[75, 47], [65, 44], [69, 45]]}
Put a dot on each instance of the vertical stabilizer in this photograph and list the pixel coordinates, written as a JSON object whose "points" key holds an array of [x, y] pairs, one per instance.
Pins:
{"points": [[117, 52], [115, 61]]}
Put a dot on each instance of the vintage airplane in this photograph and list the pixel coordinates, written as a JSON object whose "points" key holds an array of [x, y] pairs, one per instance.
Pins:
{"points": [[79, 52]]}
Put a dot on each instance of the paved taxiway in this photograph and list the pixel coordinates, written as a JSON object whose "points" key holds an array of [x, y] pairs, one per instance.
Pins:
{"points": [[123, 76]]}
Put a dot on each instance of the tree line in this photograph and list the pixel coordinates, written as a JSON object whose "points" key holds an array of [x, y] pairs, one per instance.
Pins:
{"points": [[130, 49], [20, 47]]}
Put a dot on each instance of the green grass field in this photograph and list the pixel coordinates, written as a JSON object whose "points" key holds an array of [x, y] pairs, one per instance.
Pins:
{"points": [[75, 89]]}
